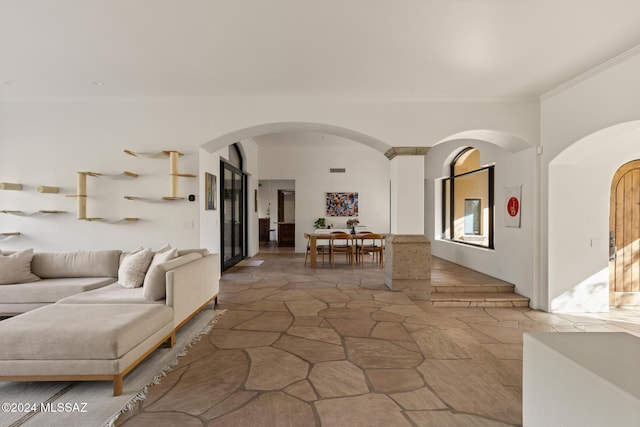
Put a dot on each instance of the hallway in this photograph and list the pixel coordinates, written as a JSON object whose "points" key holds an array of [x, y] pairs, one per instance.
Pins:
{"points": [[334, 347]]}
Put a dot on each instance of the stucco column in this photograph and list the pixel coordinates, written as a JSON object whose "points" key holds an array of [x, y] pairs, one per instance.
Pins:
{"points": [[407, 250]]}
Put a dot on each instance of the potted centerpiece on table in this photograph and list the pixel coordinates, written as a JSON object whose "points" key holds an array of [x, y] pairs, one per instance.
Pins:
{"points": [[319, 223], [351, 223]]}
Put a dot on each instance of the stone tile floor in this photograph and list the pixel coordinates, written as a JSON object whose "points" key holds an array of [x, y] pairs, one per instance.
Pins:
{"points": [[334, 347]]}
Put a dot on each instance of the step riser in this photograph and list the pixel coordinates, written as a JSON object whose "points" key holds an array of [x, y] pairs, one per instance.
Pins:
{"points": [[476, 288], [483, 304]]}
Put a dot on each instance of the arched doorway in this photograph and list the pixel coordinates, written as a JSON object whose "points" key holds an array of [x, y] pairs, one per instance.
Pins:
{"points": [[624, 236]]}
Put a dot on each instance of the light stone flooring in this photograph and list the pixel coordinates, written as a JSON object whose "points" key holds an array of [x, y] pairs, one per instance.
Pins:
{"points": [[334, 347]]}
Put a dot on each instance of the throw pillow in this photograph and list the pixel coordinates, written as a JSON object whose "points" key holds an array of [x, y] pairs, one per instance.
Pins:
{"points": [[133, 268], [157, 289], [16, 268], [164, 248], [155, 278]]}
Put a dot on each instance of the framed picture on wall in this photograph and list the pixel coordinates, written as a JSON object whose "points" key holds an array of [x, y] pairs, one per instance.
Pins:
{"points": [[342, 204], [210, 191]]}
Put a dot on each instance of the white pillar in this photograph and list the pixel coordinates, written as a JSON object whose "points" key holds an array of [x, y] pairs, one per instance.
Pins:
{"points": [[407, 194]]}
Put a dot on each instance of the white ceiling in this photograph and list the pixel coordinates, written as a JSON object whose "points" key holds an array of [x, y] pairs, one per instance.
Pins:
{"points": [[344, 48]]}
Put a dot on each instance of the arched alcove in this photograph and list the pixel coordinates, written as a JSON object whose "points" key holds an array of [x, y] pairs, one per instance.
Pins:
{"points": [[579, 188], [514, 158]]}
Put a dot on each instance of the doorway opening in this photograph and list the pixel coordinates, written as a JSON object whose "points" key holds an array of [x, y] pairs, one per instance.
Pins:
{"points": [[277, 213]]}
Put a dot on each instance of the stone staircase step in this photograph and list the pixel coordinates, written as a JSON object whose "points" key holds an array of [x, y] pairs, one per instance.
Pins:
{"points": [[491, 287], [478, 299]]}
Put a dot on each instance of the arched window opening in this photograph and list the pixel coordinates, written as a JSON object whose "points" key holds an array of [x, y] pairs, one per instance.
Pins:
{"points": [[468, 201], [235, 156]]}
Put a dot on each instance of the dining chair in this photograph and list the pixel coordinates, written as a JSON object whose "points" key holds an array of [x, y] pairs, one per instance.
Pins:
{"points": [[371, 244], [341, 243], [359, 241], [320, 249]]}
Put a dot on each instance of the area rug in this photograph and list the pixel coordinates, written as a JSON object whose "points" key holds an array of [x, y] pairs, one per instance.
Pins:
{"points": [[250, 263], [91, 403]]}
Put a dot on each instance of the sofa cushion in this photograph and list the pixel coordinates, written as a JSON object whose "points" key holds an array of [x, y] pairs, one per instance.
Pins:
{"points": [[82, 332], [156, 288], [76, 264], [133, 268], [156, 272], [50, 290], [16, 268], [114, 293]]}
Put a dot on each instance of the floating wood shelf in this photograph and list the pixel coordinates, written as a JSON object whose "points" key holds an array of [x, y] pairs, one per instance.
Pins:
{"points": [[43, 211], [153, 155], [172, 198], [184, 175], [48, 212], [124, 174], [10, 186], [47, 189], [126, 219], [150, 200], [9, 235]]}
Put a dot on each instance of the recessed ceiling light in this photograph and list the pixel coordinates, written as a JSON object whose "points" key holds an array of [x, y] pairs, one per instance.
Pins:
{"points": [[97, 83]]}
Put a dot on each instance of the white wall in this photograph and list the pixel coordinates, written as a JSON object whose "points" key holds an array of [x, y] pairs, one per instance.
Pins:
{"points": [[512, 258], [210, 219], [250, 154], [588, 130], [45, 141], [306, 159]]}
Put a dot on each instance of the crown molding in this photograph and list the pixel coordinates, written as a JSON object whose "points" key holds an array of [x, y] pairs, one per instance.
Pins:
{"points": [[592, 72]]}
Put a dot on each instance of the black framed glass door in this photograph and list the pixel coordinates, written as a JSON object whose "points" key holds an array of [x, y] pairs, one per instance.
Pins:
{"points": [[233, 215]]}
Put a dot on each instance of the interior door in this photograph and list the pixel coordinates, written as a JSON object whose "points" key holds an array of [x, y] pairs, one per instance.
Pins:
{"points": [[624, 241]]}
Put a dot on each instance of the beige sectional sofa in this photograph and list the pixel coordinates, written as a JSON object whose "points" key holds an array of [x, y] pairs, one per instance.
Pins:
{"points": [[79, 322]]}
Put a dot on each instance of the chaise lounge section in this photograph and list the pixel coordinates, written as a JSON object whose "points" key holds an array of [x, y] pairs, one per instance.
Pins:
{"points": [[105, 329], [82, 342]]}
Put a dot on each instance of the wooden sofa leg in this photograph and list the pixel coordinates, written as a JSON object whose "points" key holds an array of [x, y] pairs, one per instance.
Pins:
{"points": [[117, 385], [171, 341]]}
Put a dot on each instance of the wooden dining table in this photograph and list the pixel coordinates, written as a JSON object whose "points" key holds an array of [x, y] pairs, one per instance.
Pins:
{"points": [[313, 243]]}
